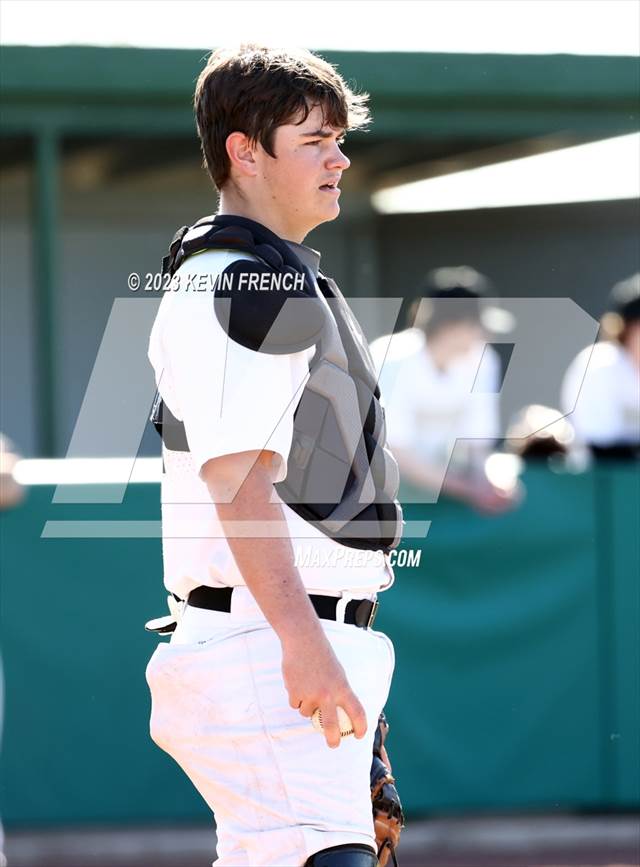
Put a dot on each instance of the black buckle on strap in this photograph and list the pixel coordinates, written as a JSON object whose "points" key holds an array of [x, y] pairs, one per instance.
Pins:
{"points": [[365, 613]]}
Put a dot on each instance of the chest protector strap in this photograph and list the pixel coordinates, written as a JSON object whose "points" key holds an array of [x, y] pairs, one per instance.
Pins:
{"points": [[341, 477]]}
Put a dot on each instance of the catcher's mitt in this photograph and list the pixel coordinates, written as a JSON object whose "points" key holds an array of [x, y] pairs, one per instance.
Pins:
{"points": [[388, 818]]}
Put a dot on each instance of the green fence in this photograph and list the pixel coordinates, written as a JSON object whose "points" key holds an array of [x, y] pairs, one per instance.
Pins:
{"points": [[516, 641]]}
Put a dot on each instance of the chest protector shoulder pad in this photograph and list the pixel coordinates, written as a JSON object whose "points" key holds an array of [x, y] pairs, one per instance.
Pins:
{"points": [[341, 477]]}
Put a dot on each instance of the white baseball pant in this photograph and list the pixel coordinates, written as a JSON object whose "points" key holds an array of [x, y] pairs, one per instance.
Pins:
{"points": [[221, 710]]}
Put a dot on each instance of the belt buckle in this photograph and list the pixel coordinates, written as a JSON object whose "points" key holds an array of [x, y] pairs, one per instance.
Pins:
{"points": [[372, 615], [344, 600]]}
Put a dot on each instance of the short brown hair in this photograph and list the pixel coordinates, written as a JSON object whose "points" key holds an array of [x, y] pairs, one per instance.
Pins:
{"points": [[254, 89]]}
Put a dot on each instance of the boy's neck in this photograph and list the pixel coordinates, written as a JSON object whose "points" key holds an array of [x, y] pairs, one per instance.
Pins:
{"points": [[233, 205], [307, 255]]}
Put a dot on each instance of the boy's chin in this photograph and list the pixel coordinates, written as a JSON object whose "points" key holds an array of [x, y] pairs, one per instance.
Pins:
{"points": [[324, 216], [330, 213]]}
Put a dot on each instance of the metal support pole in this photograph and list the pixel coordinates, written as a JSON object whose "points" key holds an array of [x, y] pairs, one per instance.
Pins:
{"points": [[45, 242]]}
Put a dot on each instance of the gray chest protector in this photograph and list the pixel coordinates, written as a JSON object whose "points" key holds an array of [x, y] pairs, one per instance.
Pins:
{"points": [[341, 477]]}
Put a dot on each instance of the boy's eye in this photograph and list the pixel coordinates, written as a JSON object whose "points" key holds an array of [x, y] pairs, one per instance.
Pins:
{"points": [[340, 141]]}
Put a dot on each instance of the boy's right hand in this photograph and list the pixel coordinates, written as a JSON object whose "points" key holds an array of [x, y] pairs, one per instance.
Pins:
{"points": [[314, 679]]}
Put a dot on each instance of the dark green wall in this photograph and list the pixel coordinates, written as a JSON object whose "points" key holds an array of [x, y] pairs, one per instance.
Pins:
{"points": [[516, 683]]}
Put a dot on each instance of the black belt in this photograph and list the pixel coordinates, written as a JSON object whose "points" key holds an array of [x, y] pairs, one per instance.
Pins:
{"points": [[359, 612]]}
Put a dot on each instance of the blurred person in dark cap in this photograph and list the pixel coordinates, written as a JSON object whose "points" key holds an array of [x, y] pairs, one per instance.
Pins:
{"points": [[441, 438], [603, 401]]}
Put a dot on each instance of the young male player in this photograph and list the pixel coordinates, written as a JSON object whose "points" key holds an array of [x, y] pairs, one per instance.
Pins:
{"points": [[261, 642]]}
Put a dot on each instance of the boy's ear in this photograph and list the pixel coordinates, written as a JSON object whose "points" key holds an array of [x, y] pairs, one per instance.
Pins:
{"points": [[241, 154]]}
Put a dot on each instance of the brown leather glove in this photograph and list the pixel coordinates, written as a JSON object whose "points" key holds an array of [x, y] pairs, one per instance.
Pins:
{"points": [[388, 818]]}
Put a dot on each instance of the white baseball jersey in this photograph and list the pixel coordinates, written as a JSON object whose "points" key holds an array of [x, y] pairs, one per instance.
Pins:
{"points": [[232, 399], [428, 409], [601, 395]]}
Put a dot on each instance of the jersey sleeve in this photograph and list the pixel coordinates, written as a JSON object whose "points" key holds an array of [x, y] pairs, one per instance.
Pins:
{"points": [[230, 398]]}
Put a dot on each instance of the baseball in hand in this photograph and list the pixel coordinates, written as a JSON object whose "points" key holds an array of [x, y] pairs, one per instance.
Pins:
{"points": [[346, 726]]}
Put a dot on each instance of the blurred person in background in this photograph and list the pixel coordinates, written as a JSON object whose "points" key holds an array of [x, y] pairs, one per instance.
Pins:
{"points": [[11, 491], [427, 374], [539, 433], [603, 401]]}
